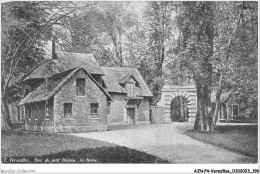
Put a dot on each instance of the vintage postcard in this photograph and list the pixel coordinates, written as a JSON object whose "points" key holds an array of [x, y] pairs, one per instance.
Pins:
{"points": [[169, 83]]}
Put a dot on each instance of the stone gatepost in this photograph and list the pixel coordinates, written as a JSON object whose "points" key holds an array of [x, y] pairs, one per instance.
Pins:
{"points": [[165, 103]]}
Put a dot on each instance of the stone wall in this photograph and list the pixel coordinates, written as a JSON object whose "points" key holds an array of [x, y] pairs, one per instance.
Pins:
{"points": [[143, 111], [81, 116], [117, 113], [157, 114]]}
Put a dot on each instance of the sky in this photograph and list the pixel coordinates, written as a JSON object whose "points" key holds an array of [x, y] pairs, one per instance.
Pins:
{"points": [[137, 7]]}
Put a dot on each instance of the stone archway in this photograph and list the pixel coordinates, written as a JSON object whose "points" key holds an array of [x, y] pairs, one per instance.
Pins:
{"points": [[179, 109], [169, 92]]}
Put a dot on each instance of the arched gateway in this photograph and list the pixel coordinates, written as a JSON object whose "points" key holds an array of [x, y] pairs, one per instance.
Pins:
{"points": [[169, 92]]}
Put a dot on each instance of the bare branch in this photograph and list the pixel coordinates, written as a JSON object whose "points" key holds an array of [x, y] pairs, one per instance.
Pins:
{"points": [[231, 36], [31, 40]]}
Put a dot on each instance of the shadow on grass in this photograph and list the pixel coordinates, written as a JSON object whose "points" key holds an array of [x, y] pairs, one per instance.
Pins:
{"points": [[39, 147], [240, 139], [250, 129], [91, 155]]}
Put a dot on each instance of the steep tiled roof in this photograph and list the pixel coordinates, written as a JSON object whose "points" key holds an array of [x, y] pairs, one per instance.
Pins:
{"points": [[115, 75], [65, 62], [40, 93], [86, 61], [44, 70], [111, 82]]}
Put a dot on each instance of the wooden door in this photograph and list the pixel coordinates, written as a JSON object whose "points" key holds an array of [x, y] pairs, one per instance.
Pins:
{"points": [[130, 116]]}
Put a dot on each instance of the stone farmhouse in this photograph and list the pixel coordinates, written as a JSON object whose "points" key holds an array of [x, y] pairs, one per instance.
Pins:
{"points": [[130, 96], [72, 93]]}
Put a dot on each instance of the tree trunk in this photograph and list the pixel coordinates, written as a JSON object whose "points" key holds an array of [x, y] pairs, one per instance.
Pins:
{"points": [[210, 127], [199, 115], [203, 120], [6, 121], [120, 51], [218, 95], [114, 40]]}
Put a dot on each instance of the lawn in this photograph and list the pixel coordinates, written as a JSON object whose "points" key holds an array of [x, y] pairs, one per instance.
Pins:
{"points": [[32, 147], [241, 139]]}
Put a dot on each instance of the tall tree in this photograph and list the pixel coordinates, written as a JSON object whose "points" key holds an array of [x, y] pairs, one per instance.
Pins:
{"points": [[139, 56], [220, 72], [158, 26], [100, 28], [22, 42], [216, 50], [235, 57], [196, 25]]}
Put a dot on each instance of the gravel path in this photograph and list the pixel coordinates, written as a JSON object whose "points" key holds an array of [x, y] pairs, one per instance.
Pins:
{"points": [[168, 141]]}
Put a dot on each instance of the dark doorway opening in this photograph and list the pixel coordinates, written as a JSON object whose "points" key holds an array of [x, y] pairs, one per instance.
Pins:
{"points": [[179, 109]]}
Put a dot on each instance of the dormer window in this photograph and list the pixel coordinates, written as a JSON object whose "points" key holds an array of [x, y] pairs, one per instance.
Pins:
{"points": [[130, 89], [130, 86], [130, 83]]}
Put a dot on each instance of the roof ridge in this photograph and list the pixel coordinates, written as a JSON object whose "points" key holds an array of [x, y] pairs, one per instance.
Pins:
{"points": [[118, 67]]}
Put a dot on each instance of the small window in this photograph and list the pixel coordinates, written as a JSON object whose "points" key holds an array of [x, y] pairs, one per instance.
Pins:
{"points": [[67, 110], [94, 110], [80, 87]]}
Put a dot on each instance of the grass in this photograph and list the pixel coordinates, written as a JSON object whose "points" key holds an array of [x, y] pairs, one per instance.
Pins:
{"points": [[25, 147], [240, 120], [241, 139]]}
